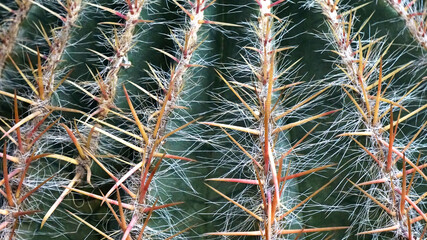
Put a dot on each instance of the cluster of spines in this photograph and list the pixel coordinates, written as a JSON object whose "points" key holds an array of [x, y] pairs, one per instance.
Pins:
{"points": [[365, 85], [152, 129], [107, 82], [270, 167], [29, 132], [9, 32], [415, 16]]}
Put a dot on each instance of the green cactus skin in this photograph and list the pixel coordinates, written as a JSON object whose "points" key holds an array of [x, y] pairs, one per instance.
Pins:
{"points": [[181, 119]]}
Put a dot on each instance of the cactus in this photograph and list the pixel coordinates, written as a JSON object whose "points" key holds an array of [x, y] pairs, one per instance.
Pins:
{"points": [[204, 119]]}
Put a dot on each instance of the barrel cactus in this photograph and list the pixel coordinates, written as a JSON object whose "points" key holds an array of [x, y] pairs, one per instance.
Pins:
{"points": [[204, 119]]}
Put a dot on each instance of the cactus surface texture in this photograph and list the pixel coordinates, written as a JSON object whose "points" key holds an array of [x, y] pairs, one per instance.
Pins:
{"points": [[213, 119]]}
